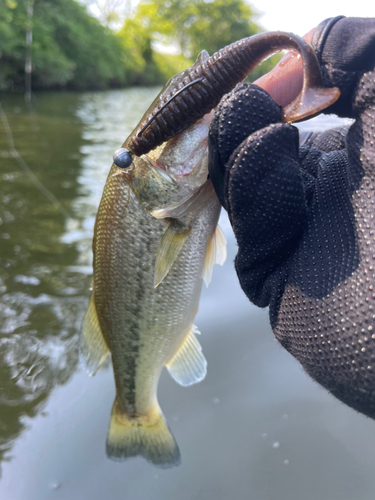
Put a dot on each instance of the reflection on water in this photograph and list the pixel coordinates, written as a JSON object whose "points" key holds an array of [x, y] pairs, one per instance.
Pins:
{"points": [[67, 142], [41, 304], [257, 427]]}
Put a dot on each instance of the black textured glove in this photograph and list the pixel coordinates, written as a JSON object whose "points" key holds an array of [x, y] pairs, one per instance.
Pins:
{"points": [[303, 215]]}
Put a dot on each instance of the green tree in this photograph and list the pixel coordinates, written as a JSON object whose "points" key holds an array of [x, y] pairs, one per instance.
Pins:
{"points": [[142, 64], [194, 25], [220, 23], [70, 48]]}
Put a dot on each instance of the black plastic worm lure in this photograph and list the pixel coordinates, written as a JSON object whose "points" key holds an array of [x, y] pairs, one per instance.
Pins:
{"points": [[191, 94]]}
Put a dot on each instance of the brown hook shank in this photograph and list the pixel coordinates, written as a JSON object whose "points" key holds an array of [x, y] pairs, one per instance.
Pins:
{"points": [[217, 75]]}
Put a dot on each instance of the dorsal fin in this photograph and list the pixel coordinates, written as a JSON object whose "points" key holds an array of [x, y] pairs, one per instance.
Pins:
{"points": [[216, 254]]}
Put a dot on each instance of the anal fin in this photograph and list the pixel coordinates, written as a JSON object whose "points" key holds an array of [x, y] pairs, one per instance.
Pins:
{"points": [[188, 366], [93, 347]]}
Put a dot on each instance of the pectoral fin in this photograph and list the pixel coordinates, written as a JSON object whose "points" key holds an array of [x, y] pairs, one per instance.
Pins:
{"points": [[216, 254], [169, 248], [93, 347], [188, 366]]}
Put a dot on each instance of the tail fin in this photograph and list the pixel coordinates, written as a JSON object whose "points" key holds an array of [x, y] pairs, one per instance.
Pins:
{"points": [[147, 435]]}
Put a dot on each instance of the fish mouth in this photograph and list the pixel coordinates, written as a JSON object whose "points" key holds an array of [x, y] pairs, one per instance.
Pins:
{"points": [[184, 154], [173, 172]]}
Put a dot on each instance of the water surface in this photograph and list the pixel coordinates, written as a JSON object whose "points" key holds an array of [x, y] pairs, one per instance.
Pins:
{"points": [[256, 428]]}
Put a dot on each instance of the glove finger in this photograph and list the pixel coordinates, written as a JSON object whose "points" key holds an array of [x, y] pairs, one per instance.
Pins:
{"points": [[246, 109], [313, 146], [266, 205], [333, 139]]}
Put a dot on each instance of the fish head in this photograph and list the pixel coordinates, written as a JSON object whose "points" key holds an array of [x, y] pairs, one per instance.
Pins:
{"points": [[175, 171]]}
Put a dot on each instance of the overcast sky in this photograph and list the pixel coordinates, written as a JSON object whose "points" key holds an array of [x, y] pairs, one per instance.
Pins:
{"points": [[296, 16], [299, 16]]}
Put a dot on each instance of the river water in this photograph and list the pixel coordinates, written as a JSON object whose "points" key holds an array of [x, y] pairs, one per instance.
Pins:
{"points": [[256, 428]]}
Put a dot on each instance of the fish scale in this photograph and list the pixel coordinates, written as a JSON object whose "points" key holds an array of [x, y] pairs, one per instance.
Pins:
{"points": [[133, 305]]}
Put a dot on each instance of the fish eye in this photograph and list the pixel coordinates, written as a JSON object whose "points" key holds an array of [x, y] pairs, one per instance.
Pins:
{"points": [[122, 158]]}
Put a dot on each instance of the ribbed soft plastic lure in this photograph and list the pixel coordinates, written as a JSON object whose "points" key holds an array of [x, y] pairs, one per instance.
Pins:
{"points": [[191, 94]]}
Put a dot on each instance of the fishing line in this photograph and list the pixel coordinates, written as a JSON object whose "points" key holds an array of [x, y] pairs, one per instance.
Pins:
{"points": [[21, 162]]}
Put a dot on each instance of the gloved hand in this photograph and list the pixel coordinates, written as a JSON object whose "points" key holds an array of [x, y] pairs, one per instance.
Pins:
{"points": [[304, 214]]}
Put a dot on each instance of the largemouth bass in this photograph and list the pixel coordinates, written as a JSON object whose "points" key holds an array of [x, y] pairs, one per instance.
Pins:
{"points": [[156, 238]]}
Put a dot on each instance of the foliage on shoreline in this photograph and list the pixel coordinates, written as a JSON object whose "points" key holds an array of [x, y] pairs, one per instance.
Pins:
{"points": [[72, 50]]}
